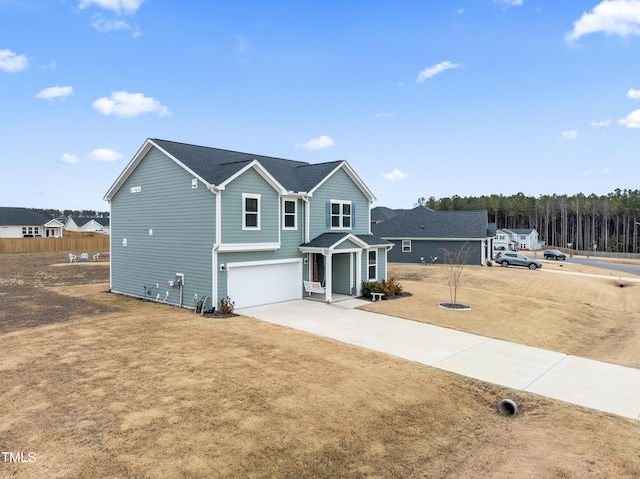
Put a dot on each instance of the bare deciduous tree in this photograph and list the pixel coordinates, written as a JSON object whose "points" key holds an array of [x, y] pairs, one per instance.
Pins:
{"points": [[455, 262]]}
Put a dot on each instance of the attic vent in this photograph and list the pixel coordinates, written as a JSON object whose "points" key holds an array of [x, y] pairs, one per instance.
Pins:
{"points": [[194, 183]]}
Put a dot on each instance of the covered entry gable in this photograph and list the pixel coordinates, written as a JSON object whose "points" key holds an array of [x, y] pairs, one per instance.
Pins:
{"points": [[341, 262]]}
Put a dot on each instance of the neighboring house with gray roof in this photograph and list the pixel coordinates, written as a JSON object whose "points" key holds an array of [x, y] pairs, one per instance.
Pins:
{"points": [[382, 213], [87, 224], [192, 223], [422, 235], [26, 223]]}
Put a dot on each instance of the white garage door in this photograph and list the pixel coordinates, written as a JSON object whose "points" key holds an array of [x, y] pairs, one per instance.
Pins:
{"points": [[254, 284]]}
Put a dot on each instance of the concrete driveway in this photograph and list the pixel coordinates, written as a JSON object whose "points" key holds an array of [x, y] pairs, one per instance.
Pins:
{"points": [[597, 385]]}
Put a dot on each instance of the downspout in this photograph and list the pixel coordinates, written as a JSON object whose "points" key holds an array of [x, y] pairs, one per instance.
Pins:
{"points": [[215, 246], [307, 215], [110, 246]]}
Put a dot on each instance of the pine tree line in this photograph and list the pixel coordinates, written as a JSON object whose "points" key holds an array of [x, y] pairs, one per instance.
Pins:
{"points": [[54, 213], [610, 222]]}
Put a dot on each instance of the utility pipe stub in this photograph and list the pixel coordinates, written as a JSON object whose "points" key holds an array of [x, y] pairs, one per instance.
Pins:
{"points": [[507, 407]]}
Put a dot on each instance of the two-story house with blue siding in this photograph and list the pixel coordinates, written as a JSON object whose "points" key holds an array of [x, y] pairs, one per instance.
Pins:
{"points": [[191, 222]]}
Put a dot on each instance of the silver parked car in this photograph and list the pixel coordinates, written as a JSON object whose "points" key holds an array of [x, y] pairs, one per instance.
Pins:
{"points": [[513, 258]]}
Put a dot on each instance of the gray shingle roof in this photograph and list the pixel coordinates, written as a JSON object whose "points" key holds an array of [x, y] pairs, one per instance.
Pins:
{"points": [[215, 165], [10, 216], [325, 240], [382, 213], [421, 222], [83, 220]]}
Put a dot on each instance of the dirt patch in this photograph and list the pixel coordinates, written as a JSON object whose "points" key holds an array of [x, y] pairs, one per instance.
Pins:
{"points": [[144, 390], [26, 295]]}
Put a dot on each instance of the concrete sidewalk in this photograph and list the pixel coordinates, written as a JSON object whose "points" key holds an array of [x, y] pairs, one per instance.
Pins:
{"points": [[597, 385]]}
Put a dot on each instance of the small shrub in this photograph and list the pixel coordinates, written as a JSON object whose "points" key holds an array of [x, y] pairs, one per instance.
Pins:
{"points": [[388, 287], [489, 263], [226, 305], [393, 287]]}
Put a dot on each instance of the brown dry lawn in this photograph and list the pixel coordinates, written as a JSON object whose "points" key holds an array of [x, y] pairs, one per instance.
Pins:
{"points": [[103, 386]]}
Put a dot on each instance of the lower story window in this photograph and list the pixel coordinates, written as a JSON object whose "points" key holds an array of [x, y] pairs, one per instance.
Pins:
{"points": [[406, 246], [372, 264]]}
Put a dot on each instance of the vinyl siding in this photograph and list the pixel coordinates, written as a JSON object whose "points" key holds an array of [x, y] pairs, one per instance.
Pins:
{"points": [[338, 187], [289, 242], [182, 220], [232, 218], [432, 248], [341, 273]]}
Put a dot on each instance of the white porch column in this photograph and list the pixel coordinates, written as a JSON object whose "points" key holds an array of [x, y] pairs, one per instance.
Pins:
{"points": [[359, 273], [327, 276], [351, 278]]}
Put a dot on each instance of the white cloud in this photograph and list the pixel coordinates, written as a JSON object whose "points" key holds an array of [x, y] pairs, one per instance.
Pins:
{"points": [[319, 143], [599, 124], [396, 174], [103, 25], [69, 159], [634, 94], [613, 17], [569, 134], [55, 92], [125, 104], [434, 70], [509, 3], [103, 154], [632, 120], [127, 7], [12, 62]]}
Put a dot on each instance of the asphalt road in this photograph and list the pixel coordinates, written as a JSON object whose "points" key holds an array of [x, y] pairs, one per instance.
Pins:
{"points": [[624, 268]]}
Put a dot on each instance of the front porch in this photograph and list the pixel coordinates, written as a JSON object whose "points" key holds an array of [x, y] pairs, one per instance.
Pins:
{"points": [[334, 262], [335, 297]]}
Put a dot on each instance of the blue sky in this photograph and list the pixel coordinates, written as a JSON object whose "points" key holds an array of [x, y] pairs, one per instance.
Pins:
{"points": [[441, 98]]}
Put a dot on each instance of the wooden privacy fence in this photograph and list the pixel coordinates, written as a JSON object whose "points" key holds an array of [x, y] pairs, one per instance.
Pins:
{"points": [[72, 242]]}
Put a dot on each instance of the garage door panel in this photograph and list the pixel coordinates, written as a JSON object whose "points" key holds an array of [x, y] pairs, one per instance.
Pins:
{"points": [[253, 285]]}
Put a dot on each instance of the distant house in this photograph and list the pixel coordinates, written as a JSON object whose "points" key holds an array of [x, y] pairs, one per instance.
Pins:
{"points": [[515, 239], [79, 223], [382, 213], [423, 235], [26, 223]]}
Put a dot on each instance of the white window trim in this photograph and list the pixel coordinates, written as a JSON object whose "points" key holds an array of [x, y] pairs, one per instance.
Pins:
{"points": [[342, 215], [408, 243], [295, 214], [375, 277], [246, 196]]}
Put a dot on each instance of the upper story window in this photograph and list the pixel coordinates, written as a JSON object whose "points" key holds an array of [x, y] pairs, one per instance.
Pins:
{"points": [[340, 214], [522, 237], [250, 211], [289, 215]]}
